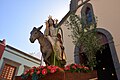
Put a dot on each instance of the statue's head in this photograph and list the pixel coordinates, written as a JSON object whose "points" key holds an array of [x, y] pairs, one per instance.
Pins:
{"points": [[51, 21], [34, 34]]}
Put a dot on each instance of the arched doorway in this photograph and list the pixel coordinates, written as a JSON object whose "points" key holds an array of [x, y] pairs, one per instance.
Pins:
{"points": [[108, 67], [105, 65]]}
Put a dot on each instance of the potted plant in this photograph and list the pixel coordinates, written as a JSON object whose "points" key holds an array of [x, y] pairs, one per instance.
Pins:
{"points": [[86, 37]]}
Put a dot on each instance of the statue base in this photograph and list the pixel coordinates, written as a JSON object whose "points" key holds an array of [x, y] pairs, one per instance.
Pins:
{"points": [[65, 76]]}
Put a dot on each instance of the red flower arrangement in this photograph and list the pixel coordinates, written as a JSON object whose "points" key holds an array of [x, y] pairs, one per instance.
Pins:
{"points": [[41, 71], [76, 68]]}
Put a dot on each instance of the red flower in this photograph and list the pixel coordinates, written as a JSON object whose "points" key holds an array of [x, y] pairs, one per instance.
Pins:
{"points": [[32, 70], [86, 68], [27, 71], [44, 71], [67, 68], [38, 72], [53, 70], [80, 67], [38, 68], [76, 65], [56, 67], [60, 69], [31, 73], [49, 67], [41, 67], [73, 67]]}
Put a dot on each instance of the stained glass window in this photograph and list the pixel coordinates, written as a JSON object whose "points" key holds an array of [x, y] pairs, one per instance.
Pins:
{"points": [[88, 15]]}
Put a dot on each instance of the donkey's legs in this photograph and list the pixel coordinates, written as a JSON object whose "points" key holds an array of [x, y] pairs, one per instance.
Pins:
{"points": [[46, 57], [43, 54]]}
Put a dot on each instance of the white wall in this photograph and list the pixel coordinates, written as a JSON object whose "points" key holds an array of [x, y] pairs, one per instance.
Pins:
{"points": [[18, 57], [69, 46]]}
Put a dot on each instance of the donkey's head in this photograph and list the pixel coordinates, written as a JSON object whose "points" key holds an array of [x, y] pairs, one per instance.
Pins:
{"points": [[35, 33]]}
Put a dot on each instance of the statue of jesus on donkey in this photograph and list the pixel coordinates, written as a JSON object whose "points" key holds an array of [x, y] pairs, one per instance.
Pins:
{"points": [[51, 43]]}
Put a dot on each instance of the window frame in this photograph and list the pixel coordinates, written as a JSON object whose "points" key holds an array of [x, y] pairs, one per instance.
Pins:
{"points": [[11, 63]]}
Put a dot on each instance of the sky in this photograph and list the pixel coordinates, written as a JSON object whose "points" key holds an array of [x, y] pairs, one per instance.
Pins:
{"points": [[18, 17]]}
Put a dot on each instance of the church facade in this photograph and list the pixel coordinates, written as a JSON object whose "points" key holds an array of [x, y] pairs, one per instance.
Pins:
{"points": [[107, 26]]}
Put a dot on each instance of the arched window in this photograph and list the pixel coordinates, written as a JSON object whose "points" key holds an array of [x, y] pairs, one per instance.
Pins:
{"points": [[87, 15]]}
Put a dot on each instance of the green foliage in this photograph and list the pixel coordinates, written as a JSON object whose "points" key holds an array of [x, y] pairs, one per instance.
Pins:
{"points": [[35, 76], [86, 37]]}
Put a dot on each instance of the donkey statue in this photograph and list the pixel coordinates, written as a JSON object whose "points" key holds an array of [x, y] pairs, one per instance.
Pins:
{"points": [[45, 46]]}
